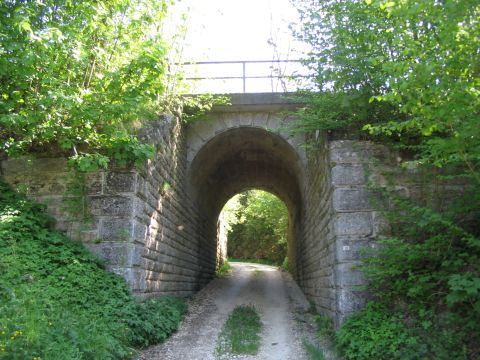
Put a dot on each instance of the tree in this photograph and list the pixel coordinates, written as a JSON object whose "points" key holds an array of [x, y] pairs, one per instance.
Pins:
{"points": [[258, 227], [78, 77], [407, 72]]}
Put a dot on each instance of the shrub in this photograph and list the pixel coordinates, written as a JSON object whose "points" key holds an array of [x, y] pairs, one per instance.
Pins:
{"points": [[58, 302], [373, 334], [156, 319]]}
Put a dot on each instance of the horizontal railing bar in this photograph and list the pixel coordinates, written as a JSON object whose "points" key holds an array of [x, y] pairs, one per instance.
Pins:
{"points": [[237, 62], [247, 77]]}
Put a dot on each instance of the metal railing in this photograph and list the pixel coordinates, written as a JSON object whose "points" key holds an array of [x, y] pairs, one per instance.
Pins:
{"points": [[276, 72]]}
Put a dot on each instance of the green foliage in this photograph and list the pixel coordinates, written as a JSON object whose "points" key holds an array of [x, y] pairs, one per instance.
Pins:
{"points": [[253, 261], [241, 332], [325, 325], [224, 270], [375, 334], [313, 352], [77, 78], [197, 107], [58, 302], [156, 320], [407, 72], [400, 70], [432, 258], [430, 273], [258, 228], [286, 264], [425, 279]]}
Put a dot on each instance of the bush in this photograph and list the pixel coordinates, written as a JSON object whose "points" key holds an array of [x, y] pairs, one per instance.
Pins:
{"points": [[286, 264], [426, 285], [373, 334], [58, 302], [224, 270], [156, 319], [258, 227]]}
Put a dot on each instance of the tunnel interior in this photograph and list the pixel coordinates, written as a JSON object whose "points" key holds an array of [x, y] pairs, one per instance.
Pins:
{"points": [[255, 224], [241, 159]]}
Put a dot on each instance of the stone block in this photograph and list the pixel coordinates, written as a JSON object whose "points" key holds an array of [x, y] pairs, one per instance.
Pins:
{"points": [[260, 120], [116, 229], [94, 183], [113, 205], [245, 119], [349, 274], [136, 255], [344, 151], [354, 223], [381, 226], [230, 120], [350, 300], [140, 232], [84, 236], [27, 165], [345, 199], [120, 182], [114, 254], [348, 248], [206, 129], [348, 174], [136, 279]]}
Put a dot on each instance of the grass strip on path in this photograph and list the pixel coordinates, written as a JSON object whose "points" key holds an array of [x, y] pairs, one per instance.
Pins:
{"points": [[241, 332]]}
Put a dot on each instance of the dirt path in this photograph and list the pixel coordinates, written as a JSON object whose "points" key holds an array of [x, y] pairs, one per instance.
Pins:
{"points": [[281, 304]]}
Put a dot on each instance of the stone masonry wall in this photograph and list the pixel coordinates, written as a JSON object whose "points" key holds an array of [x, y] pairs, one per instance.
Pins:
{"points": [[142, 224], [356, 223], [176, 257], [339, 220], [315, 249]]}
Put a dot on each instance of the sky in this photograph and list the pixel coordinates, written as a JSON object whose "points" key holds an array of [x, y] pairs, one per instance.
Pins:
{"points": [[231, 30]]}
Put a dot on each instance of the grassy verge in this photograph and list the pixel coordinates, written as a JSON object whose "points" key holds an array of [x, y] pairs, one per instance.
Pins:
{"points": [[323, 347], [254, 261], [314, 353], [241, 332], [224, 270], [58, 302]]}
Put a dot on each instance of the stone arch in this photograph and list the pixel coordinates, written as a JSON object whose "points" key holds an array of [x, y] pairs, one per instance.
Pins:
{"points": [[157, 226], [242, 158]]}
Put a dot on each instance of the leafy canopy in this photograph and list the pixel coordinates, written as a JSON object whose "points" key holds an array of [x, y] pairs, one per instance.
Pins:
{"points": [[77, 77], [258, 224], [407, 72]]}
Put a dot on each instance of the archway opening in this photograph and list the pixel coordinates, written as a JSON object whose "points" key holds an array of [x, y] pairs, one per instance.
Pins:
{"points": [[256, 228], [234, 161]]}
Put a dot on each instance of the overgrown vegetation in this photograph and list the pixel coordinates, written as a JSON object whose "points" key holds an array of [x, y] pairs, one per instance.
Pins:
{"points": [[407, 73], [58, 302], [427, 292], [224, 270], [77, 78], [258, 224], [241, 332], [314, 353]]}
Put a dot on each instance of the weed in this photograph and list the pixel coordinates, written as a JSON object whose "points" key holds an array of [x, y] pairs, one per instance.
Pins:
{"points": [[325, 325], [313, 352], [241, 332], [224, 270], [286, 264]]}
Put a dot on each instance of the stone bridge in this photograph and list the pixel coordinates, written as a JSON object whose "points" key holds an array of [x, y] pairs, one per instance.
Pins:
{"points": [[159, 227]]}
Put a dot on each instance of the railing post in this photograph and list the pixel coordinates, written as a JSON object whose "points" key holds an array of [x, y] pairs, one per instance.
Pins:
{"points": [[244, 78]]}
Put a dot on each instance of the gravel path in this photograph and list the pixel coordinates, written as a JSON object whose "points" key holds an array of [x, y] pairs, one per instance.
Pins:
{"points": [[281, 304]]}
